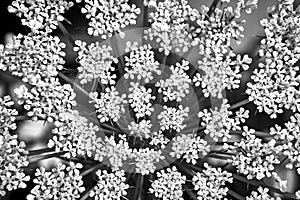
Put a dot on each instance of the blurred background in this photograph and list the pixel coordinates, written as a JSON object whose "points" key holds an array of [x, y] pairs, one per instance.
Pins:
{"points": [[36, 134]]}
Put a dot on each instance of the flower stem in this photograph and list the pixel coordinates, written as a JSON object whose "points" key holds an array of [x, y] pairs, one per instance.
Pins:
{"points": [[40, 151], [235, 195], [239, 104], [37, 158], [91, 170], [190, 193]]}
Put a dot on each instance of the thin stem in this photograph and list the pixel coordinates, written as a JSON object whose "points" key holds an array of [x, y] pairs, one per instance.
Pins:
{"points": [[70, 81], [37, 158], [141, 188], [66, 33], [91, 170], [40, 151], [239, 104]]}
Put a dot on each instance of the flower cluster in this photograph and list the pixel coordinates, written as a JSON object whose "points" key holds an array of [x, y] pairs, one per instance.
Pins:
{"points": [[158, 139], [41, 15], [48, 100], [75, 136], [7, 114], [210, 183], [110, 105], [145, 160], [288, 138], [172, 118], [109, 17], [141, 129], [220, 73], [13, 160], [218, 122], [140, 63], [176, 87], [168, 184], [276, 81], [95, 62], [62, 182], [110, 186], [116, 152], [261, 194], [169, 25], [255, 158], [139, 100], [33, 57], [189, 146]]}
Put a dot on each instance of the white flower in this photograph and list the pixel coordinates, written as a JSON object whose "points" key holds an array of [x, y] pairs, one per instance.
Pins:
{"points": [[62, 182], [141, 129], [210, 183], [157, 138], [219, 121], [115, 152], [139, 100], [13, 160], [109, 17], [110, 105], [140, 63], [169, 27], [47, 100], [172, 118], [110, 186], [7, 114], [288, 139], [261, 194], [255, 158], [145, 160], [95, 63], [190, 146], [76, 136], [40, 15], [177, 86], [276, 81], [33, 57], [168, 184]]}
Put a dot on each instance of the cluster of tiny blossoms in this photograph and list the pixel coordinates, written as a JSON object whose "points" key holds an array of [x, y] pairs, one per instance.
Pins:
{"points": [[190, 146], [75, 136], [7, 114], [261, 194], [176, 87], [169, 27], [41, 15], [168, 184], [109, 17], [13, 160], [95, 62], [218, 122], [140, 63], [210, 183], [288, 139], [110, 186], [62, 182], [276, 81], [33, 57]]}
